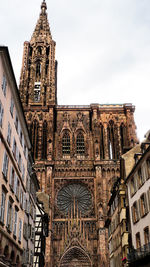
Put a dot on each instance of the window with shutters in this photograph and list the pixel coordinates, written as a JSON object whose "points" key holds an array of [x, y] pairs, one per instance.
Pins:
{"points": [[9, 222], [148, 167], [2, 208], [5, 165], [66, 144], [16, 123], [143, 205], [146, 235], [138, 240], [80, 144], [12, 178], [4, 85], [140, 178], [15, 223], [14, 148], [23, 172], [20, 230], [21, 198], [132, 185], [135, 214], [18, 188], [9, 134], [1, 114], [11, 106]]}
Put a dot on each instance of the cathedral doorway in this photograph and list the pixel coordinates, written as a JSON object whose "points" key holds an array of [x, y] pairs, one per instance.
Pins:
{"points": [[75, 257]]}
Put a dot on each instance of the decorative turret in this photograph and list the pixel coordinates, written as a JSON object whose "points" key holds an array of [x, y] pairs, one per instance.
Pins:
{"points": [[39, 69]]}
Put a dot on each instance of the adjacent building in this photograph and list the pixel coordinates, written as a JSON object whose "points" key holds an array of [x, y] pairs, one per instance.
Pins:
{"points": [[137, 167], [18, 184], [117, 223], [76, 151]]}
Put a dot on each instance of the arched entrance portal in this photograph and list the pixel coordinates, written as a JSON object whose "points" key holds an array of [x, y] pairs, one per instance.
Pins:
{"points": [[75, 257]]}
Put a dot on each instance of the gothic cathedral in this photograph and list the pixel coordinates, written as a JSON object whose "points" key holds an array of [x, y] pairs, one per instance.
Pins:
{"points": [[76, 151]]}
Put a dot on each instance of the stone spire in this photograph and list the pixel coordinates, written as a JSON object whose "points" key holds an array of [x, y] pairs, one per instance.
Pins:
{"points": [[42, 28]]}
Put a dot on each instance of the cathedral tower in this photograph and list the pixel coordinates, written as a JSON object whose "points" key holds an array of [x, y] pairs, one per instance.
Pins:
{"points": [[76, 151]]}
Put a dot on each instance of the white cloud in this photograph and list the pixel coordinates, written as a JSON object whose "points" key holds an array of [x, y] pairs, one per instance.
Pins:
{"points": [[102, 47]]}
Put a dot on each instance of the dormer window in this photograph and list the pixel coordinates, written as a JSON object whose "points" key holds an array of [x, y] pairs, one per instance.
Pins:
{"points": [[37, 91]]}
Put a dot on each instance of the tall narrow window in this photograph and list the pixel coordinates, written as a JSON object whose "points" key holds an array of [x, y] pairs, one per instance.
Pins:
{"points": [[146, 235], [138, 240], [38, 69], [102, 155], [45, 89], [135, 215], [46, 66], [9, 222], [2, 208], [66, 144], [12, 178], [15, 223], [112, 141], [37, 91], [44, 141], [5, 165], [9, 134], [20, 230], [12, 106], [4, 85], [80, 144], [143, 205], [34, 129], [1, 114], [122, 136]]}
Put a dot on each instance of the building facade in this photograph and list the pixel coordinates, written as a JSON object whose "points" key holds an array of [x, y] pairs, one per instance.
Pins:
{"points": [[138, 187], [76, 151], [15, 174], [117, 222]]}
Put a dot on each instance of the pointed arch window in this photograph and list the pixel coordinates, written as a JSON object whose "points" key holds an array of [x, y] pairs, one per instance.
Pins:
{"points": [[102, 154], [80, 144], [38, 69], [111, 140], [66, 144], [34, 131], [122, 136], [44, 141]]}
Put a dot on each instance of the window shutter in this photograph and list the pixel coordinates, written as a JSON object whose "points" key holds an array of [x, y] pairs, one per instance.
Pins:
{"points": [[1, 114], [11, 220], [146, 204], [7, 221], [15, 184]]}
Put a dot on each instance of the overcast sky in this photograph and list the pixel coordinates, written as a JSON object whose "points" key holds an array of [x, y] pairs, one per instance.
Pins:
{"points": [[102, 48]]}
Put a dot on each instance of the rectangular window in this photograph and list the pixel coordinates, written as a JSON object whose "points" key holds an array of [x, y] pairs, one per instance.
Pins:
{"points": [[9, 223], [148, 167], [12, 106], [143, 205], [20, 230], [21, 137], [14, 148], [138, 240], [16, 123], [23, 172], [21, 198], [140, 178], [146, 235], [4, 85], [2, 210], [135, 214], [19, 161], [12, 178], [15, 223], [132, 186], [9, 134], [5, 165], [1, 114]]}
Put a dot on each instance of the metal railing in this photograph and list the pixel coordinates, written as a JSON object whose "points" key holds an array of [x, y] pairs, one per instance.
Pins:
{"points": [[137, 254]]}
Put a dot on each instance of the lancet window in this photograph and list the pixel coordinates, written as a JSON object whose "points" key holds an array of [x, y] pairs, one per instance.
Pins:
{"points": [[122, 136], [38, 69], [111, 140], [34, 130], [66, 143], [80, 144], [44, 141], [102, 154]]}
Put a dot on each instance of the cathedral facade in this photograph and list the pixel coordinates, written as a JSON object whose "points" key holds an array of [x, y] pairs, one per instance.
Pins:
{"points": [[76, 151]]}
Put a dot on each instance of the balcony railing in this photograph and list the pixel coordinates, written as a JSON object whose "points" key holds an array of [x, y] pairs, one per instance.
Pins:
{"points": [[137, 254]]}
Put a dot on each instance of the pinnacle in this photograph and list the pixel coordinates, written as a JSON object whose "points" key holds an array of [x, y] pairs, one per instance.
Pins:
{"points": [[43, 7]]}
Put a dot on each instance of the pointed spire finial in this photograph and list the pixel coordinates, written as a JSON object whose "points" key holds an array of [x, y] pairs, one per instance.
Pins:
{"points": [[43, 7]]}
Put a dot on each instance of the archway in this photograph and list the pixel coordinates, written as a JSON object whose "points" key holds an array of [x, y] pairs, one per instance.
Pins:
{"points": [[75, 257]]}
